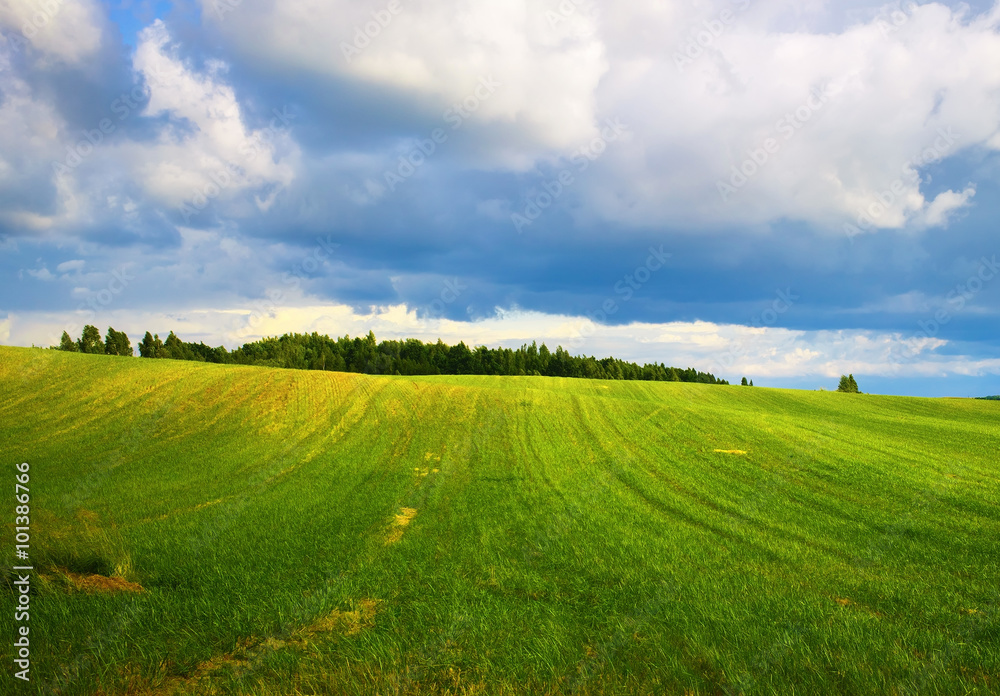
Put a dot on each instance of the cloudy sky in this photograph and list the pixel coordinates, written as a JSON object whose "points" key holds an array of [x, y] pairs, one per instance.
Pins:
{"points": [[787, 189]]}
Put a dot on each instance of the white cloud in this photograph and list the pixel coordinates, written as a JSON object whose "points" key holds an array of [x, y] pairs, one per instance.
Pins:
{"points": [[74, 265], [898, 98], [945, 205], [205, 152], [894, 84], [66, 31], [31, 133], [547, 56]]}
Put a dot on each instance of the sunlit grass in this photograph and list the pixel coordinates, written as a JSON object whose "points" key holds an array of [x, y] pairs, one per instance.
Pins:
{"points": [[303, 532]]}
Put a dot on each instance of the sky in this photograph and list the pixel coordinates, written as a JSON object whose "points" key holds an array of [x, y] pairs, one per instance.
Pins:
{"points": [[789, 190]]}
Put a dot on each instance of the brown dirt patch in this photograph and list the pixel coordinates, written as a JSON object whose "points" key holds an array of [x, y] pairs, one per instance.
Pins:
{"points": [[98, 583]]}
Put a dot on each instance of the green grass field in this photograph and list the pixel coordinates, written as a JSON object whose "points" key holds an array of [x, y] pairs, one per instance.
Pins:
{"points": [[264, 531]]}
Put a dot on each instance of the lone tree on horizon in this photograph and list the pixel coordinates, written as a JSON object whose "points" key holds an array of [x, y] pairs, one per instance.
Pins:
{"points": [[848, 385]]}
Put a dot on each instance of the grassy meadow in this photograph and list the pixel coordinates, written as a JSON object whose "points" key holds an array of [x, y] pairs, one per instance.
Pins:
{"points": [[201, 529]]}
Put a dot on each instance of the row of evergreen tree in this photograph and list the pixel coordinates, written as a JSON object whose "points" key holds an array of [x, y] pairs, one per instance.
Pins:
{"points": [[114, 343], [410, 357]]}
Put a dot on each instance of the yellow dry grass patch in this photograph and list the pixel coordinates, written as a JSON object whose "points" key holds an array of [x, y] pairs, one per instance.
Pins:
{"points": [[400, 524], [844, 602], [737, 452], [209, 503], [349, 623], [192, 508]]}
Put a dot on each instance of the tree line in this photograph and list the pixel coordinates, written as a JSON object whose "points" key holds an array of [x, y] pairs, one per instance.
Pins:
{"points": [[114, 343], [407, 357]]}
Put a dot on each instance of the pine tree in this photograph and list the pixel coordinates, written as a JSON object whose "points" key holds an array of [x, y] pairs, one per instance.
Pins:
{"points": [[173, 348], [146, 349], [751, 383], [125, 345], [744, 382], [68, 344], [854, 384], [117, 343], [845, 384]]}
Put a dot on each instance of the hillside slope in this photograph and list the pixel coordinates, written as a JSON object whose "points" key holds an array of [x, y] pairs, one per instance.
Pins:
{"points": [[208, 529]]}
